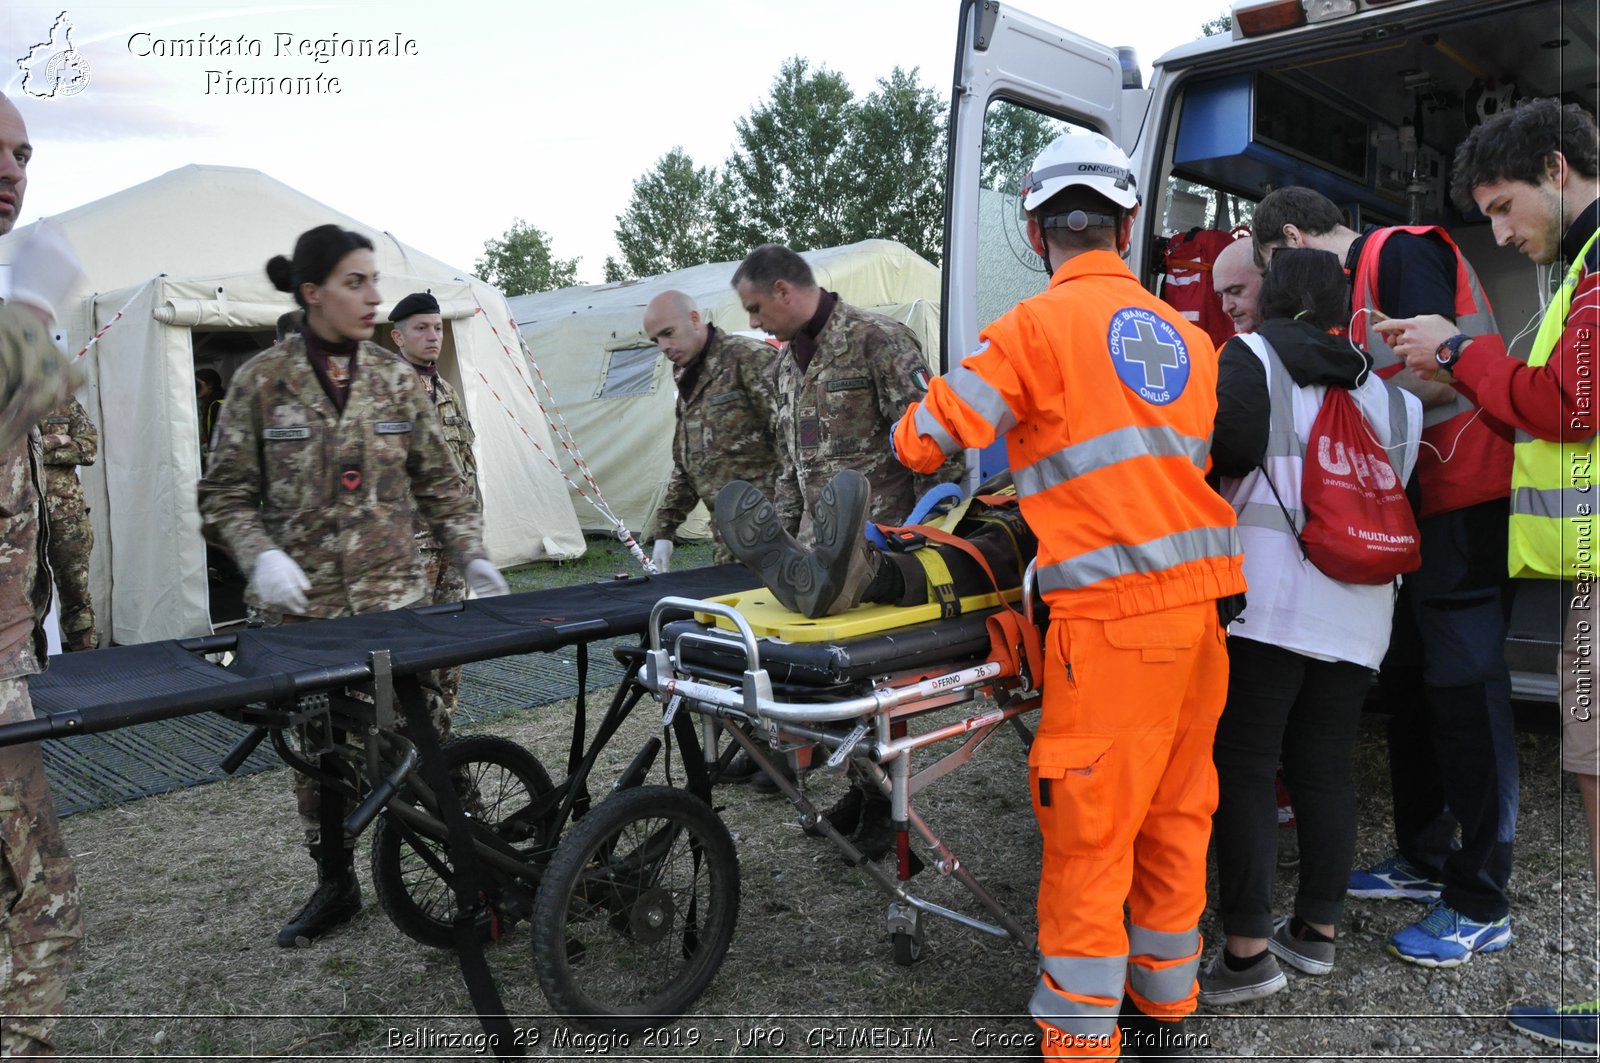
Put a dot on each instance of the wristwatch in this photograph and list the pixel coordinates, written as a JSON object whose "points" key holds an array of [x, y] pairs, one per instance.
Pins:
{"points": [[1448, 353]]}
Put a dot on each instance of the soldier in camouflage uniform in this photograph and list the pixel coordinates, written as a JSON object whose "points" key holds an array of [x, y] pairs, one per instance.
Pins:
{"points": [[844, 378], [327, 449], [725, 415], [70, 440], [41, 920], [419, 334]]}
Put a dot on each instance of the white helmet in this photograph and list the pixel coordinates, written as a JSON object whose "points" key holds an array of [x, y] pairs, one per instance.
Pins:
{"points": [[1081, 157]]}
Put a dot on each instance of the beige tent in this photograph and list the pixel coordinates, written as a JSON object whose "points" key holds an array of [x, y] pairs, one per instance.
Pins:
{"points": [[615, 391], [182, 257]]}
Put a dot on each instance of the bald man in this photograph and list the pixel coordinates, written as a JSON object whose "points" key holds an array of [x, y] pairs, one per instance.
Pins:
{"points": [[725, 415], [1237, 280], [40, 915]]}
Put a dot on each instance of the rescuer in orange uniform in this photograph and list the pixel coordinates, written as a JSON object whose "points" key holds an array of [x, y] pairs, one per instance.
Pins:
{"points": [[1106, 399]]}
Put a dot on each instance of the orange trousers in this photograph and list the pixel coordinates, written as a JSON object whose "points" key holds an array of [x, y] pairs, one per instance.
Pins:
{"points": [[1123, 787]]}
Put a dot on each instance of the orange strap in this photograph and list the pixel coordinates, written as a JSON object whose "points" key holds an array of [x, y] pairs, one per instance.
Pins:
{"points": [[1012, 639]]}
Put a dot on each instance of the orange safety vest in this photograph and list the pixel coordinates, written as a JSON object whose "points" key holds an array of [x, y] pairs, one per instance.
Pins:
{"points": [[1106, 398], [1478, 468]]}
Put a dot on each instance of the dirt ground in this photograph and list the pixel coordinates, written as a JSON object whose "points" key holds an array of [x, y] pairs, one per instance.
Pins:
{"points": [[184, 893]]}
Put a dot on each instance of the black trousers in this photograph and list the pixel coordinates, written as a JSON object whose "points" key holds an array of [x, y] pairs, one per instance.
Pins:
{"points": [[1452, 743], [1282, 704]]}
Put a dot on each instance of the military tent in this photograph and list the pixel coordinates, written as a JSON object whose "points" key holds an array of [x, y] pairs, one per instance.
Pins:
{"points": [[181, 259], [615, 391]]}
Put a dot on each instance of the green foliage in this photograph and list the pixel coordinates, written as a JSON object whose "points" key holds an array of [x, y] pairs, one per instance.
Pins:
{"points": [[669, 223], [1223, 23], [1013, 136], [898, 151], [792, 176], [521, 262]]}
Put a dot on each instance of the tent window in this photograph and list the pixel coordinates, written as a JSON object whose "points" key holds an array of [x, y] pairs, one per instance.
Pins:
{"points": [[629, 373]]}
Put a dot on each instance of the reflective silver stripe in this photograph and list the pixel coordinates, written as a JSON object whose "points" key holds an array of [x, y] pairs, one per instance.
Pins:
{"points": [[1085, 976], [1281, 438], [1121, 444], [1553, 502], [1163, 945], [1169, 984], [1267, 515], [1157, 555], [927, 424], [985, 401]]}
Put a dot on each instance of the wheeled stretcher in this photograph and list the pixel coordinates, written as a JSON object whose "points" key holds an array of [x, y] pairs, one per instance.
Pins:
{"points": [[860, 696]]}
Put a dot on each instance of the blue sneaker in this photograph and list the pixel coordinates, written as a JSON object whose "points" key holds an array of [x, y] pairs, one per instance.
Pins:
{"points": [[1396, 877], [1446, 938], [1572, 1026]]}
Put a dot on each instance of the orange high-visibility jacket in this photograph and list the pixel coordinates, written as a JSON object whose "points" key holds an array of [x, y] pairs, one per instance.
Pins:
{"points": [[1106, 398]]}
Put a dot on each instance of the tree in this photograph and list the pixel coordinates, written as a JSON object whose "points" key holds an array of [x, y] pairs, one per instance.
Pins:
{"points": [[669, 222], [900, 141], [791, 179], [521, 262], [1013, 136], [1223, 23]]}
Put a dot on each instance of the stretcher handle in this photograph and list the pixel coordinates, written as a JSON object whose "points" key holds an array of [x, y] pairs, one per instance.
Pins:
{"points": [[364, 813], [695, 605]]}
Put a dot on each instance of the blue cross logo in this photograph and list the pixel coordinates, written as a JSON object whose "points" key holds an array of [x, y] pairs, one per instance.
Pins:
{"points": [[1148, 354]]}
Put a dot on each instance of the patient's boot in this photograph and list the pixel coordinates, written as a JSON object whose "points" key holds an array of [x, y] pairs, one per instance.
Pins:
{"points": [[752, 532], [334, 902], [843, 562]]}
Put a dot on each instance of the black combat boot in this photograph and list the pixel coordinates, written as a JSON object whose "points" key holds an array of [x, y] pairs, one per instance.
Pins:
{"points": [[334, 902], [842, 562], [1147, 1037], [844, 814], [752, 532]]}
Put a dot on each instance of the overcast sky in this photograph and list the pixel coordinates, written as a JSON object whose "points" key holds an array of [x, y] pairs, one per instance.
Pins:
{"points": [[542, 110]]}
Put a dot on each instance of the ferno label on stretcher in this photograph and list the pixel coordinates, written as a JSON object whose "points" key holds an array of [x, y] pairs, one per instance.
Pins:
{"points": [[768, 619]]}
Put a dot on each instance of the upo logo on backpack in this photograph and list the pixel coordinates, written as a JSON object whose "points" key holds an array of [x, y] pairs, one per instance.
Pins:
{"points": [[1359, 525]]}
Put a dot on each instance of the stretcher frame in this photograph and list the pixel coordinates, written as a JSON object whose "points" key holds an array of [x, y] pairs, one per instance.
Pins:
{"points": [[867, 736]]}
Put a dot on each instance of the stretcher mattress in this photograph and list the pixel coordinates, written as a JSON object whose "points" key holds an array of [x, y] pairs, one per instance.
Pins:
{"points": [[85, 693], [841, 664]]}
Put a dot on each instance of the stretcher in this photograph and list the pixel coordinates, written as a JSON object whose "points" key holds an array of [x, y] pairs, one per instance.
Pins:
{"points": [[864, 694]]}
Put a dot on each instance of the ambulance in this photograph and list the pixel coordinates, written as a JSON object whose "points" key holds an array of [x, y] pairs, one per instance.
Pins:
{"points": [[1363, 100]]}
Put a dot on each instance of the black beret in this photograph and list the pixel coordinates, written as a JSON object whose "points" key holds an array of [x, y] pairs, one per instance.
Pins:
{"points": [[415, 303]]}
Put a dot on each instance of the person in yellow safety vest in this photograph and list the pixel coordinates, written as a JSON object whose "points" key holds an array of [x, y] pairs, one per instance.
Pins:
{"points": [[1106, 398], [1534, 172]]}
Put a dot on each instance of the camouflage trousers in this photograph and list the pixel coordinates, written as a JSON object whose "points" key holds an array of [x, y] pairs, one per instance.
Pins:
{"points": [[448, 585], [308, 792], [71, 541], [42, 922]]}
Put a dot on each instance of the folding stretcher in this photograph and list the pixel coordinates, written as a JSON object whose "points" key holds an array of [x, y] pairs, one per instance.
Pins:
{"points": [[477, 850], [857, 694]]}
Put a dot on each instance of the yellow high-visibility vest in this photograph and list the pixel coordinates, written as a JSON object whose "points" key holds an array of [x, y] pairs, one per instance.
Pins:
{"points": [[1553, 496]]}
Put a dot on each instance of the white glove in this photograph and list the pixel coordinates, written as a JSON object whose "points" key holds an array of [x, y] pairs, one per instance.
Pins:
{"points": [[279, 584], [485, 580], [661, 555], [45, 270]]}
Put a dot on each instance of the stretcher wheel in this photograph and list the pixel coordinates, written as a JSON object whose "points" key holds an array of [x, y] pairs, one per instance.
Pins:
{"points": [[636, 910], [496, 779], [905, 934]]}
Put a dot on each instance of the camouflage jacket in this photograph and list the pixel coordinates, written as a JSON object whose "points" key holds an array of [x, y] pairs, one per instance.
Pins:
{"points": [[337, 493], [33, 377], [69, 419], [724, 428], [838, 414], [458, 436]]}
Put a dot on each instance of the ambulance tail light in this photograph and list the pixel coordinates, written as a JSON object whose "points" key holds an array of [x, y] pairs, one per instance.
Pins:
{"points": [[1252, 18]]}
